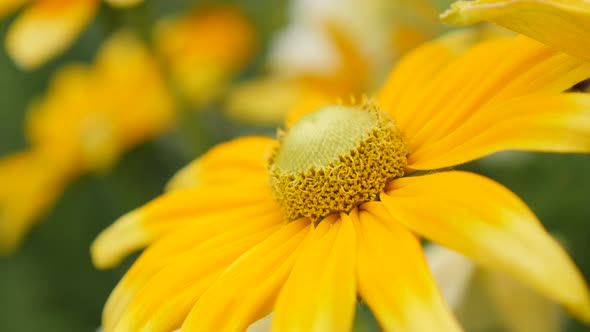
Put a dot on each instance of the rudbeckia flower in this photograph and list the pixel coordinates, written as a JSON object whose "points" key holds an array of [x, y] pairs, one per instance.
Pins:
{"points": [[547, 21], [333, 210], [47, 27], [84, 123], [204, 49], [488, 300]]}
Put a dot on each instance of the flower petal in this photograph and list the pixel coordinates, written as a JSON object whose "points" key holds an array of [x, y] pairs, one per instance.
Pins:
{"points": [[486, 222], [163, 302], [492, 71], [393, 277], [165, 255], [564, 24], [263, 101], [46, 28], [140, 227], [8, 6], [204, 49], [225, 164], [125, 65], [537, 122], [407, 81], [320, 293], [30, 185], [124, 3], [247, 290]]}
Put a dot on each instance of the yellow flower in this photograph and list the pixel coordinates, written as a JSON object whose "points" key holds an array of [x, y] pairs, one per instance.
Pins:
{"points": [[47, 27], [333, 48], [204, 49], [303, 225], [488, 300], [329, 48], [563, 24], [88, 118]]}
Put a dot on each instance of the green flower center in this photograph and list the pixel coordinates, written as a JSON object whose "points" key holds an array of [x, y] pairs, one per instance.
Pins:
{"points": [[334, 159]]}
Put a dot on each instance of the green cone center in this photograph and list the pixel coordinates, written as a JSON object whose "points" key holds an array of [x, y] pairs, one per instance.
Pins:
{"points": [[334, 159], [321, 137]]}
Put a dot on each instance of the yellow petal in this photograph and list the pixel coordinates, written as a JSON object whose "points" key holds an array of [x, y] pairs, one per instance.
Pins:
{"points": [[125, 66], [320, 293], [46, 28], [163, 302], [563, 24], [140, 227], [225, 164], [8, 6], [393, 277], [124, 3], [78, 123], [204, 49], [30, 183], [263, 101], [212, 233], [247, 290], [537, 122], [412, 74], [491, 71], [486, 222], [353, 73], [56, 122]]}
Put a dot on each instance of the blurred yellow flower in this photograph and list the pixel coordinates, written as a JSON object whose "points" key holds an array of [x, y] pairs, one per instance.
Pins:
{"points": [[333, 48], [204, 49], [47, 27], [88, 118], [303, 225], [488, 300], [563, 24]]}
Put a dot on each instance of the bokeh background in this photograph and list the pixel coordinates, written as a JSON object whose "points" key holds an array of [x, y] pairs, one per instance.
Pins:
{"points": [[49, 284]]}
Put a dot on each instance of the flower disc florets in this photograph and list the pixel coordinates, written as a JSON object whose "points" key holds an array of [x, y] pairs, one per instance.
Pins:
{"points": [[334, 159]]}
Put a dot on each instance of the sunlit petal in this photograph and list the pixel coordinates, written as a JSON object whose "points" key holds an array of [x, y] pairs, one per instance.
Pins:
{"points": [[221, 236], [537, 122], [46, 28], [124, 3], [489, 72], [225, 164], [393, 277], [140, 227], [563, 24], [247, 290], [483, 220], [320, 293]]}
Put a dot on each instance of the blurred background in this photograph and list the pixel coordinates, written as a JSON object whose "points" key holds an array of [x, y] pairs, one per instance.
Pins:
{"points": [[49, 283]]}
